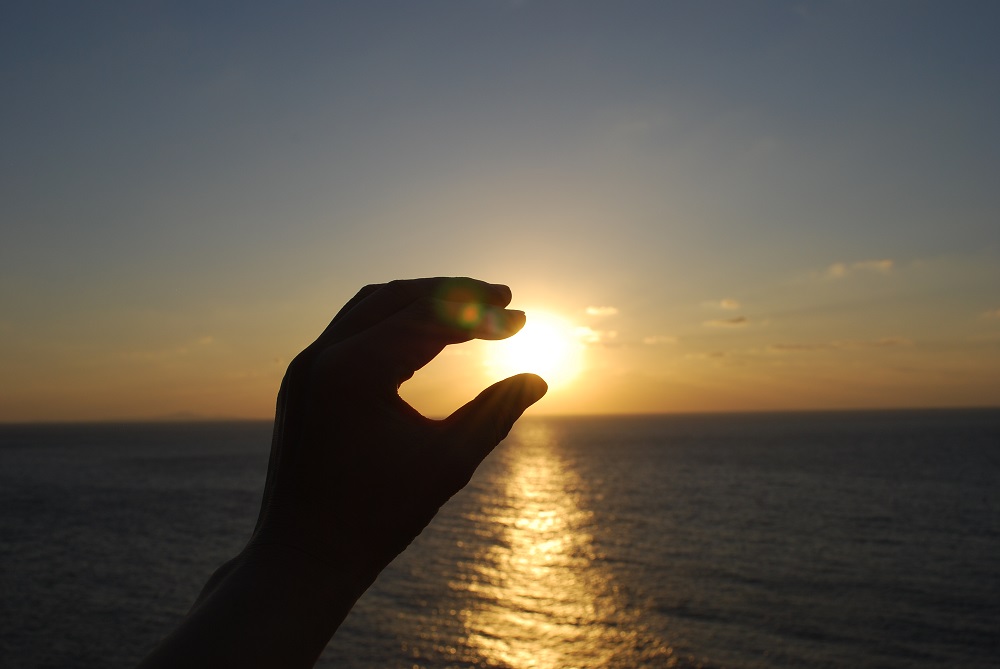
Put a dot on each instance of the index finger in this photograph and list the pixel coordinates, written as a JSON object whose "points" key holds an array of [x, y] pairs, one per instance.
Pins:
{"points": [[398, 346], [383, 301]]}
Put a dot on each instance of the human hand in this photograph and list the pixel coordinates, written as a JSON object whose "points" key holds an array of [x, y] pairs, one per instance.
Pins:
{"points": [[355, 473]]}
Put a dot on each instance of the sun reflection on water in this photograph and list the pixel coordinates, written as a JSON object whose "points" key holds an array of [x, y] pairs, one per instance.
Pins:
{"points": [[538, 594]]}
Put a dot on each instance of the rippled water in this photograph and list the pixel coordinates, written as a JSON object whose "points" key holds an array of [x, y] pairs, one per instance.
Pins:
{"points": [[825, 540], [512, 575]]}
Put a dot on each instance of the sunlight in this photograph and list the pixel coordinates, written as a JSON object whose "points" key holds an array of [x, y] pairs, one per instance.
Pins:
{"points": [[539, 595], [547, 345]]}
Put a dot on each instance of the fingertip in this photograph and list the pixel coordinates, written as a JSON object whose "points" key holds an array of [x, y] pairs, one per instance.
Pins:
{"points": [[514, 320], [533, 387], [496, 323], [537, 388], [502, 292]]}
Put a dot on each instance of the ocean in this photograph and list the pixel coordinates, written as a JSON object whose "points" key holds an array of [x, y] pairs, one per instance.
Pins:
{"points": [[849, 539]]}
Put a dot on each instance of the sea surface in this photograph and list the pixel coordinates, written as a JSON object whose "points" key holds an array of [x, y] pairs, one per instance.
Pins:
{"points": [[858, 539]]}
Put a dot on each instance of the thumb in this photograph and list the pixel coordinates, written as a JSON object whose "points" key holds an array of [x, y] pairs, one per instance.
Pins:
{"points": [[483, 423]]}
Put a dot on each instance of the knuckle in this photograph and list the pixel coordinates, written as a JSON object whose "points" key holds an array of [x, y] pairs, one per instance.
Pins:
{"points": [[397, 286], [299, 365]]}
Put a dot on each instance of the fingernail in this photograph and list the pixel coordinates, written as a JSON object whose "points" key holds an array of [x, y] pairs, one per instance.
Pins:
{"points": [[502, 290], [514, 319], [498, 323]]}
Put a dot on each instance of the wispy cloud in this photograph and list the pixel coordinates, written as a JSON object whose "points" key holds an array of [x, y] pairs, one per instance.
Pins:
{"points": [[181, 350], [883, 342], [734, 322], [602, 311], [592, 336], [890, 341], [795, 348], [727, 303], [656, 340], [992, 313], [840, 344], [840, 270], [712, 355]]}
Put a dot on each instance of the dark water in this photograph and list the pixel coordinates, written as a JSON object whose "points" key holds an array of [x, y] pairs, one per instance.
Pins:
{"points": [[781, 540]]}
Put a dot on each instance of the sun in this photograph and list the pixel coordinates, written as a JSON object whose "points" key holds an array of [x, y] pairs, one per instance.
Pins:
{"points": [[547, 345]]}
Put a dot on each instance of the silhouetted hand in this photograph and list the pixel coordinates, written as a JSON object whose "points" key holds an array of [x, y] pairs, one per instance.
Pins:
{"points": [[355, 473]]}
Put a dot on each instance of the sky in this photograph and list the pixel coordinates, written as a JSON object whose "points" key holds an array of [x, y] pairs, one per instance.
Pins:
{"points": [[732, 206]]}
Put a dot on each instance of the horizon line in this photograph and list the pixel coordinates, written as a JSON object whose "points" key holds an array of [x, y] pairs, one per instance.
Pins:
{"points": [[190, 419]]}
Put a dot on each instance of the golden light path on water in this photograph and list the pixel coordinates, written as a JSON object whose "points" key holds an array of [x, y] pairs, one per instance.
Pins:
{"points": [[540, 596]]}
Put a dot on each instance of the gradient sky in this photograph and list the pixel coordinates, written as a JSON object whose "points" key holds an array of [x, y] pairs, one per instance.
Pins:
{"points": [[782, 205]]}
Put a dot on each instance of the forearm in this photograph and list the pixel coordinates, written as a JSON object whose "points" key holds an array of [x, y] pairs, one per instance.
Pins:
{"points": [[270, 607]]}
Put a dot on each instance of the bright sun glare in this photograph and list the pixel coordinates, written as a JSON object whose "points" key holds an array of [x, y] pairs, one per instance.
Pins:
{"points": [[547, 346]]}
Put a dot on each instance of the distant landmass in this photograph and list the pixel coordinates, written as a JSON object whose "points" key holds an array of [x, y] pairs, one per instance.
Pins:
{"points": [[185, 417]]}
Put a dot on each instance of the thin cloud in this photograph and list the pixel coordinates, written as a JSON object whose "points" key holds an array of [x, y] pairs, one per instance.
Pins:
{"points": [[840, 270], [883, 342], [840, 344], [727, 303], [712, 355], [656, 340], [992, 313], [886, 342], [734, 322], [795, 348], [182, 350], [602, 311], [592, 336]]}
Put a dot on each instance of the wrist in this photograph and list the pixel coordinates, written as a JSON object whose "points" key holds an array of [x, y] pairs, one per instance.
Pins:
{"points": [[272, 605], [339, 556], [322, 585]]}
